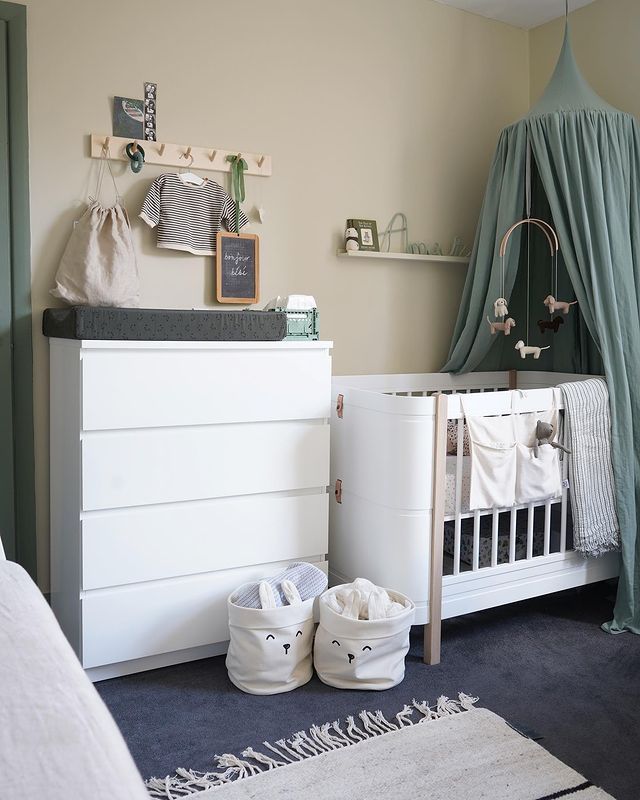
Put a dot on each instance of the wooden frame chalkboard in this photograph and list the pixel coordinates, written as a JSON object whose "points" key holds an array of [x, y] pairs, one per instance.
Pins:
{"points": [[237, 267]]}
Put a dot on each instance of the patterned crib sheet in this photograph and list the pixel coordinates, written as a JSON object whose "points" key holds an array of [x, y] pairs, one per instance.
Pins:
{"points": [[484, 558], [450, 484]]}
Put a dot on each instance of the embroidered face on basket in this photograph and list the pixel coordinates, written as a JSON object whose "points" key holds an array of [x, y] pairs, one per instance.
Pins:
{"points": [[287, 641], [363, 662], [359, 651]]}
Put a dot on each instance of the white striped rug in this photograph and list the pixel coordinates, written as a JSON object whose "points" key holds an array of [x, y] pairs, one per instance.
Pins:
{"points": [[462, 753]]}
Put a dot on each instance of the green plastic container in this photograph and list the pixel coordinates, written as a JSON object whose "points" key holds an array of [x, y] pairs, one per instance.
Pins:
{"points": [[302, 324]]}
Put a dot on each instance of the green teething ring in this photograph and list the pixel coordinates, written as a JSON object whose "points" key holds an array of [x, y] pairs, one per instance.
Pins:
{"points": [[136, 157]]}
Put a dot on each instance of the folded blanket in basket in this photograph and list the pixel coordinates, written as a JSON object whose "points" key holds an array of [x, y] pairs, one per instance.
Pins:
{"points": [[306, 578], [588, 436]]}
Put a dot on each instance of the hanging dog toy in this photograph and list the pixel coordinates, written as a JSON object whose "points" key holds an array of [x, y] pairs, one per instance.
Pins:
{"points": [[550, 300], [558, 305], [552, 325], [500, 305], [238, 166], [505, 326], [136, 156]]}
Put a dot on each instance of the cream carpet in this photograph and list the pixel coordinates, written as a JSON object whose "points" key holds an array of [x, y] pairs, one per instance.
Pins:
{"points": [[461, 753]]}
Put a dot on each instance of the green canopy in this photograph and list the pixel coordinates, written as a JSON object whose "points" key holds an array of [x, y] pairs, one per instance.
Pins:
{"points": [[584, 158]]}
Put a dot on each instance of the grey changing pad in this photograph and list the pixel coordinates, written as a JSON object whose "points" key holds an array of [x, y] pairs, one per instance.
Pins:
{"points": [[151, 324]]}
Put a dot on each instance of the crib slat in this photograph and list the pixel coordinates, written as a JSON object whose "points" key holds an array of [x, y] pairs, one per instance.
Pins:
{"points": [[530, 531], [457, 530], [494, 539], [563, 507], [512, 535], [547, 527], [475, 559]]}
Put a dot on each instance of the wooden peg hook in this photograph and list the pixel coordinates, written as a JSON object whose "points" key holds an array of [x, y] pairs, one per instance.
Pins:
{"points": [[212, 155], [260, 160], [188, 154], [161, 149]]}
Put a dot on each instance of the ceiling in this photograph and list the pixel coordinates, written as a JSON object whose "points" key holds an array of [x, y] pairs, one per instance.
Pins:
{"points": [[519, 13]]}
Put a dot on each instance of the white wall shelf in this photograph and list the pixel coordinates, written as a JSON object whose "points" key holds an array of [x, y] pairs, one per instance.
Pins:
{"points": [[402, 256]]}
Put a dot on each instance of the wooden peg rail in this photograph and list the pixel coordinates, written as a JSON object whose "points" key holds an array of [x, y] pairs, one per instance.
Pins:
{"points": [[181, 155]]}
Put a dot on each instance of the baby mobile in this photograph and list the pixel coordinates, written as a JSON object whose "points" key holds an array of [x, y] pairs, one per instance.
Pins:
{"points": [[505, 323]]}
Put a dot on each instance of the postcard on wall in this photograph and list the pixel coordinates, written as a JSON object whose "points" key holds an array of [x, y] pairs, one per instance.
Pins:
{"points": [[128, 117], [367, 230]]}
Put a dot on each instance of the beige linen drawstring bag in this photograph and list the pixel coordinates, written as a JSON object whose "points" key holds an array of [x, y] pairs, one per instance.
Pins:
{"points": [[98, 266]]}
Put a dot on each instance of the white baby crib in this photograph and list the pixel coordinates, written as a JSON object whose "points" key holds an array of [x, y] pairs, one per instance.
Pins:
{"points": [[401, 513]]}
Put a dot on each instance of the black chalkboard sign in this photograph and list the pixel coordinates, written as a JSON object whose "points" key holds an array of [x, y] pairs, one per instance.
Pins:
{"points": [[237, 267]]}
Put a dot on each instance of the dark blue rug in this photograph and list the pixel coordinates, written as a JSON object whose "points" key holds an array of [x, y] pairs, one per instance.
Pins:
{"points": [[544, 665]]}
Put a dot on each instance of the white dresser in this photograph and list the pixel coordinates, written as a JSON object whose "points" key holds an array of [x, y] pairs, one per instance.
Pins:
{"points": [[179, 470]]}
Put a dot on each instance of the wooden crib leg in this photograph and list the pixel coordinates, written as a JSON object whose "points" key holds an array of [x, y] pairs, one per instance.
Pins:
{"points": [[432, 630]]}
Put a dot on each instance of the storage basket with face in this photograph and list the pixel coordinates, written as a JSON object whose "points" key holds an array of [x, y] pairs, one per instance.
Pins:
{"points": [[362, 653], [270, 650]]}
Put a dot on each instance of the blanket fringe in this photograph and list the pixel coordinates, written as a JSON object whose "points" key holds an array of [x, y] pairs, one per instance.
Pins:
{"points": [[302, 745]]}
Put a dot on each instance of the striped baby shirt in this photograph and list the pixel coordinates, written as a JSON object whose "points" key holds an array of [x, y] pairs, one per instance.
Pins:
{"points": [[187, 216]]}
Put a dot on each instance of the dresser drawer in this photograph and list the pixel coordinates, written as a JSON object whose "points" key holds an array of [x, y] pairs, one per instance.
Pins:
{"points": [[133, 468], [145, 389], [162, 617], [142, 544]]}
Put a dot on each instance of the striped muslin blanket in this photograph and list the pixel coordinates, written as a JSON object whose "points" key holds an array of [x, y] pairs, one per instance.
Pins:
{"points": [[587, 434]]}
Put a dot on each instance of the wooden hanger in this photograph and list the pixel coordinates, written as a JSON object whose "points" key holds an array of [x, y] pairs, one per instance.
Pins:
{"points": [[190, 177]]}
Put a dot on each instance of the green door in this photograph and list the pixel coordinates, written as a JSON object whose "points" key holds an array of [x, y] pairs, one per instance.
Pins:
{"points": [[7, 487]]}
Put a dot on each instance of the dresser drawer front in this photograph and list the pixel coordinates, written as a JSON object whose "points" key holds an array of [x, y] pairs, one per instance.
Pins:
{"points": [[164, 388], [132, 468], [147, 619], [143, 544]]}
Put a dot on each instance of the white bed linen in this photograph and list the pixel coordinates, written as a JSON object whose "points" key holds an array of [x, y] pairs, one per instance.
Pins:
{"points": [[57, 738]]}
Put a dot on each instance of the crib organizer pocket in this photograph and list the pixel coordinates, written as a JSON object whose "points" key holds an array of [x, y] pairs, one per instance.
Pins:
{"points": [[538, 476], [270, 649], [493, 462]]}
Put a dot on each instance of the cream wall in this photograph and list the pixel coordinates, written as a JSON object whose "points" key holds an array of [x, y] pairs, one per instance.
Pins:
{"points": [[606, 42], [367, 107]]}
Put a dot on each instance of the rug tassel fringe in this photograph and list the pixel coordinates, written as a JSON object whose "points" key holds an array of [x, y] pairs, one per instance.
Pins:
{"points": [[317, 740]]}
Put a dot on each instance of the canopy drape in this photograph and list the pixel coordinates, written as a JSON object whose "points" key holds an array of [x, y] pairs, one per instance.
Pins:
{"points": [[586, 158]]}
